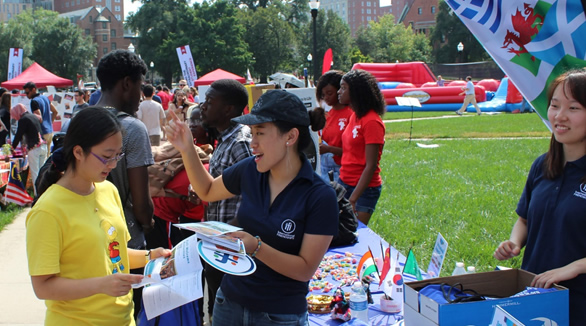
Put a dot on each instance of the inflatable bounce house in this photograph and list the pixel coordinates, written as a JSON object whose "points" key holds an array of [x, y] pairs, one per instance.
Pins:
{"points": [[415, 79]]}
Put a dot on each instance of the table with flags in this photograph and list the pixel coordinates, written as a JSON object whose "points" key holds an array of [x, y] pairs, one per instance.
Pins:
{"points": [[10, 176], [396, 270]]}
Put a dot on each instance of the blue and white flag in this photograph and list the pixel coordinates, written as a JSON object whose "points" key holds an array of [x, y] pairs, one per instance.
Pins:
{"points": [[533, 41]]}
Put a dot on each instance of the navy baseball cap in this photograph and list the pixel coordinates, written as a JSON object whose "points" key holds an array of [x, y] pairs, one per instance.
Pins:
{"points": [[276, 105]]}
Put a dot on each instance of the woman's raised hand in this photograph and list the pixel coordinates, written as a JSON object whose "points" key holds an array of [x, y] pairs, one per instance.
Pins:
{"points": [[178, 133]]}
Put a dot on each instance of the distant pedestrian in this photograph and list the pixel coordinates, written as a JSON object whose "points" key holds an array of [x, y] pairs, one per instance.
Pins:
{"points": [[44, 110], [152, 115], [468, 91]]}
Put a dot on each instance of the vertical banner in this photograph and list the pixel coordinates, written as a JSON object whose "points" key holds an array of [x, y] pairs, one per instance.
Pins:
{"points": [[14, 62], [533, 41], [187, 65]]}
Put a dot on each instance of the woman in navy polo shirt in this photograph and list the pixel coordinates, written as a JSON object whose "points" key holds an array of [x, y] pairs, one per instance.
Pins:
{"points": [[288, 213], [552, 208]]}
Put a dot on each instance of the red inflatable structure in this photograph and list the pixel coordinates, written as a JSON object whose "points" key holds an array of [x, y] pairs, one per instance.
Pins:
{"points": [[417, 73]]}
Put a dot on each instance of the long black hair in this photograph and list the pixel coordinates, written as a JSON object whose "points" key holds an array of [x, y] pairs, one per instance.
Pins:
{"points": [[88, 128], [364, 93]]}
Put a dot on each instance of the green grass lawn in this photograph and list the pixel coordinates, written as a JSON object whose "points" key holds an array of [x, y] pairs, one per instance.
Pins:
{"points": [[8, 214], [467, 188]]}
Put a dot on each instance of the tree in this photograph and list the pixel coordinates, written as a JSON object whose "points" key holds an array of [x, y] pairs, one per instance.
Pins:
{"points": [[220, 38], [63, 49], [448, 32], [158, 38], [385, 41], [51, 41], [356, 56], [270, 38]]}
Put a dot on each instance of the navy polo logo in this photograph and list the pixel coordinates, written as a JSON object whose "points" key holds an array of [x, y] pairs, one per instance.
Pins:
{"points": [[582, 192], [287, 228]]}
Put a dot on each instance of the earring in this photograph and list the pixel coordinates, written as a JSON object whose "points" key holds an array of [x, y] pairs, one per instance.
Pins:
{"points": [[287, 143]]}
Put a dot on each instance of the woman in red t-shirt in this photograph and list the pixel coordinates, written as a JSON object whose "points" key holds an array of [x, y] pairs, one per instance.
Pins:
{"points": [[337, 119], [362, 141]]}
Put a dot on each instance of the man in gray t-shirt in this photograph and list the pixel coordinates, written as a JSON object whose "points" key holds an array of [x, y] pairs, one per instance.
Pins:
{"points": [[121, 74]]}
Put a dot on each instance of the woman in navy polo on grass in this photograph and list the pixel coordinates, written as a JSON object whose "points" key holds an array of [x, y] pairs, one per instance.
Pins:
{"points": [[552, 208], [288, 213], [362, 141]]}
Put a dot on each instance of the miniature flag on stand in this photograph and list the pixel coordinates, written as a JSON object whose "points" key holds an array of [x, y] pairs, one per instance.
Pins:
{"points": [[393, 283], [366, 265], [411, 266], [15, 191], [386, 264]]}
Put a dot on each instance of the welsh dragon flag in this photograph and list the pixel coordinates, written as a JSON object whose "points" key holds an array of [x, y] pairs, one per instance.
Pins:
{"points": [[533, 41]]}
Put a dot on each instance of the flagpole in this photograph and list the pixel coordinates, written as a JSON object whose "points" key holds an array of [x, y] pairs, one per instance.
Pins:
{"points": [[375, 267]]}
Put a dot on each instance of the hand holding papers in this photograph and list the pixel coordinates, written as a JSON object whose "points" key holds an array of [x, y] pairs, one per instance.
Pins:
{"points": [[220, 250]]}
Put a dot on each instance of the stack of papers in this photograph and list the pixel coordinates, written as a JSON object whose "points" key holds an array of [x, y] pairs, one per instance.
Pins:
{"points": [[213, 236]]}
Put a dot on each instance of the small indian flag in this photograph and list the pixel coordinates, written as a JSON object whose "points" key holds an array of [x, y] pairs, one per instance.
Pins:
{"points": [[366, 265]]}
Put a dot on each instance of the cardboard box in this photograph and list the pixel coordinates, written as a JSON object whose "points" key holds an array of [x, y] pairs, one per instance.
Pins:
{"points": [[420, 310], [255, 91]]}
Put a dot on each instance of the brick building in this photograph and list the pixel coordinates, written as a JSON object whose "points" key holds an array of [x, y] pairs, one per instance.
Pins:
{"points": [[99, 22], [10, 8], [355, 13], [420, 14]]}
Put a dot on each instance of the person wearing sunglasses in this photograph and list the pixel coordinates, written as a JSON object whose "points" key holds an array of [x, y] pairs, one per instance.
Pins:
{"points": [[76, 234]]}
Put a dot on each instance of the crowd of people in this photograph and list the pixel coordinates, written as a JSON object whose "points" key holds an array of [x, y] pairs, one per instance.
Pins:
{"points": [[95, 223]]}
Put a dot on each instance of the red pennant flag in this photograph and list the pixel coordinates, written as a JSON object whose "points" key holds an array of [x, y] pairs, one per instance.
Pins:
{"points": [[328, 57]]}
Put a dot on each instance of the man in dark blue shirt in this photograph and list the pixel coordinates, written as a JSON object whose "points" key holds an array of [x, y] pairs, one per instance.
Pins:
{"points": [[44, 110]]}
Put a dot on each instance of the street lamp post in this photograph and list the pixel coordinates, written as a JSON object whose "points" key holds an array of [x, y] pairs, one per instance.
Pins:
{"points": [[309, 58], [152, 73], [131, 48], [460, 48], [314, 5]]}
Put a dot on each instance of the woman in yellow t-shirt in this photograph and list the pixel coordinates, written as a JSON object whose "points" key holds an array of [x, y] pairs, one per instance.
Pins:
{"points": [[76, 233]]}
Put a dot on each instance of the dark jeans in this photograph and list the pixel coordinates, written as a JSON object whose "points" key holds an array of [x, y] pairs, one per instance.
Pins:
{"points": [[213, 279]]}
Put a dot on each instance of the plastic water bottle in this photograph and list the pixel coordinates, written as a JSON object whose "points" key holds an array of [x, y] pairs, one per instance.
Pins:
{"points": [[471, 269], [459, 270], [358, 302]]}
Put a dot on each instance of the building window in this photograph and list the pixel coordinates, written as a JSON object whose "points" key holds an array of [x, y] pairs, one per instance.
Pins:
{"points": [[23, 7], [104, 25], [368, 11], [78, 2], [368, 18], [67, 5], [113, 46], [9, 16], [368, 3], [363, 11], [105, 50], [433, 9], [105, 38], [118, 17], [87, 31], [375, 11], [112, 33], [116, 8], [72, 3], [419, 11], [91, 19]]}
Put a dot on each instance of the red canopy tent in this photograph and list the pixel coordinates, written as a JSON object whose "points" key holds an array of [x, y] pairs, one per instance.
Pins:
{"points": [[211, 77], [38, 75]]}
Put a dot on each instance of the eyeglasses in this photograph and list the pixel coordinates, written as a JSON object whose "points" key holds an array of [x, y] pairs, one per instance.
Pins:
{"points": [[182, 85], [110, 160]]}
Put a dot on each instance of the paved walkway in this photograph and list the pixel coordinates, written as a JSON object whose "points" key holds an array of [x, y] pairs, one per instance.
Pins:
{"points": [[18, 303]]}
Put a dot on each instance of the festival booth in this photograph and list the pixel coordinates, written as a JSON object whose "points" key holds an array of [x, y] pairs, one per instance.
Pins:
{"points": [[38, 75], [203, 82]]}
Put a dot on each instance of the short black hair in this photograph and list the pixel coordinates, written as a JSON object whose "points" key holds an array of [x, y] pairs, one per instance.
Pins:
{"points": [[232, 92], [80, 92], [148, 90], [118, 64], [332, 77], [159, 88], [29, 85], [468, 78], [165, 88]]}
